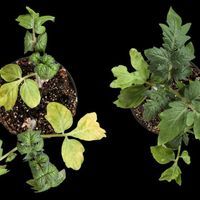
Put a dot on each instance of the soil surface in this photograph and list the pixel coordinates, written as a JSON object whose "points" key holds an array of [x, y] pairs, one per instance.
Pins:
{"points": [[152, 125], [58, 89]]}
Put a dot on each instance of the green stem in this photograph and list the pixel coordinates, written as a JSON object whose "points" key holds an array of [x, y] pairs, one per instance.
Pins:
{"points": [[53, 135], [34, 37], [176, 93], [178, 154], [29, 75], [7, 154]]}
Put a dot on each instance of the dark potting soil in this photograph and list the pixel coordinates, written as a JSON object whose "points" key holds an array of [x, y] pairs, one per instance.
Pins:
{"points": [[58, 89], [152, 125]]}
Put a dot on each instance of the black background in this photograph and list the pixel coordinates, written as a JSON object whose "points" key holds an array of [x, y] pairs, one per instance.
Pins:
{"points": [[89, 38]]}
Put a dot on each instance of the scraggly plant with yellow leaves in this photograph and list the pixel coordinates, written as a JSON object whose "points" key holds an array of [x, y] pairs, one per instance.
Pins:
{"points": [[30, 143]]}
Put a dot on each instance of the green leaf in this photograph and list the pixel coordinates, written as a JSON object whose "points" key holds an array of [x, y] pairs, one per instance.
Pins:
{"points": [[33, 14], [196, 127], [157, 101], [190, 118], [33, 21], [28, 42], [162, 155], [157, 55], [173, 122], [180, 60], [192, 92], [88, 128], [35, 58], [8, 94], [179, 180], [186, 139], [1, 149], [185, 156], [3, 170], [46, 66], [41, 43], [174, 35], [175, 143], [30, 143], [182, 72], [26, 21], [124, 78], [11, 157], [140, 65], [131, 97], [11, 72], [171, 173], [173, 18], [45, 174], [39, 29], [72, 153], [196, 105], [30, 93], [138, 62], [183, 57], [59, 117], [160, 63]]}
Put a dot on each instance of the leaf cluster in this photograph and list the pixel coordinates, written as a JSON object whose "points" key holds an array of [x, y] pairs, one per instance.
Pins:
{"points": [[28, 88], [87, 129], [35, 23], [45, 65], [30, 144], [45, 174]]}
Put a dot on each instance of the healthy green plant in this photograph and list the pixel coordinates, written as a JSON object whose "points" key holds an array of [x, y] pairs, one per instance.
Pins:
{"points": [[30, 143], [164, 87]]}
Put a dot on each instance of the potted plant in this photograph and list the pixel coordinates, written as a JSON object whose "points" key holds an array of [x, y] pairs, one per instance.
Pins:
{"points": [[38, 100], [163, 93]]}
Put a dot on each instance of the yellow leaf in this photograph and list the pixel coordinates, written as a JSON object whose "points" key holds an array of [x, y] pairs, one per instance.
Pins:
{"points": [[88, 128], [59, 117], [72, 153], [8, 94]]}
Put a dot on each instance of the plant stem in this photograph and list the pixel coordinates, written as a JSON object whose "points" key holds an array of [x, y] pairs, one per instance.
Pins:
{"points": [[7, 154], [29, 75], [34, 39], [178, 154], [53, 135], [176, 93]]}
